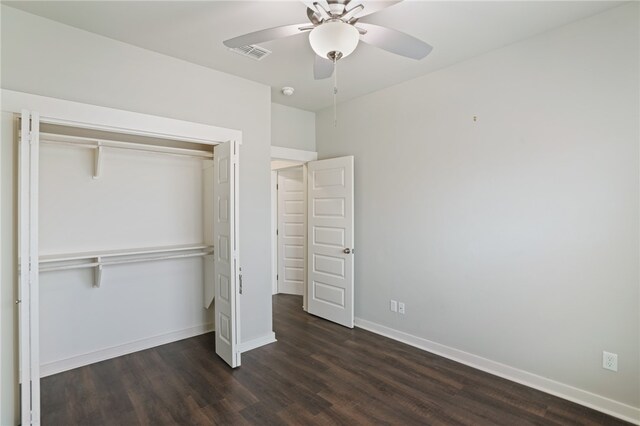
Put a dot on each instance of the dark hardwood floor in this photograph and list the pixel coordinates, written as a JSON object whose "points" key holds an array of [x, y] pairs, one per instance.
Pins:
{"points": [[317, 373]]}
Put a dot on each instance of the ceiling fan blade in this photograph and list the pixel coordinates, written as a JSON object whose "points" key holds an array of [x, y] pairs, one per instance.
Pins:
{"points": [[310, 4], [265, 35], [322, 68], [394, 41], [319, 8], [351, 13], [370, 6]]}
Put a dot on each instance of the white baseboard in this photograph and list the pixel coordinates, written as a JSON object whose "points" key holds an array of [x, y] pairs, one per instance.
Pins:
{"points": [[257, 342], [579, 396], [116, 351]]}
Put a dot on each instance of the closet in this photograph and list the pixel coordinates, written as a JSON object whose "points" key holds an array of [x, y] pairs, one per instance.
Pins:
{"points": [[127, 236]]}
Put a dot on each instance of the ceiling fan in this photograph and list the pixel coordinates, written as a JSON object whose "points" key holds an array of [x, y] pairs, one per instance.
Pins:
{"points": [[334, 32]]}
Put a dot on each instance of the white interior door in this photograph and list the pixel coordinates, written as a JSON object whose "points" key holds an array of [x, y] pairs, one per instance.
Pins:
{"points": [[330, 230], [228, 282], [291, 231], [29, 318]]}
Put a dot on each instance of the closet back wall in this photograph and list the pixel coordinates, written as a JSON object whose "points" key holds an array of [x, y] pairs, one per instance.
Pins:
{"points": [[47, 58], [140, 200]]}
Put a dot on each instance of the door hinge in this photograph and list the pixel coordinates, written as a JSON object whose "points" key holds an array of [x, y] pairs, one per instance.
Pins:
{"points": [[240, 283], [277, 277], [277, 186], [277, 232]]}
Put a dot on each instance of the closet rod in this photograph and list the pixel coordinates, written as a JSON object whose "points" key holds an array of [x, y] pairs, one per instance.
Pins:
{"points": [[143, 251], [121, 262], [94, 143]]}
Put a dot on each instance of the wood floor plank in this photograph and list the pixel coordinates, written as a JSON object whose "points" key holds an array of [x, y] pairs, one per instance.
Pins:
{"points": [[318, 373]]}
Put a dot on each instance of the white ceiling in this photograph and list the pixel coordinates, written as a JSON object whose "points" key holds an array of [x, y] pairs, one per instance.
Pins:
{"points": [[194, 31]]}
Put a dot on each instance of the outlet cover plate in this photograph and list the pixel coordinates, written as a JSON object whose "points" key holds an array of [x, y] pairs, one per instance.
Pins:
{"points": [[609, 361], [393, 306]]}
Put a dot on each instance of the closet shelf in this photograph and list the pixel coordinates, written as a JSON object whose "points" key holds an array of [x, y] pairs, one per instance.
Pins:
{"points": [[48, 258], [100, 259], [100, 144]]}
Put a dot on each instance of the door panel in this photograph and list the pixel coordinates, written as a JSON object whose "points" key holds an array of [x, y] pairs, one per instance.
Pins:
{"points": [[291, 231], [226, 267], [29, 333], [330, 227]]}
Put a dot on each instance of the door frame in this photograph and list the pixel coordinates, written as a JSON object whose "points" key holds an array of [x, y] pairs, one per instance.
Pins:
{"points": [[67, 113], [297, 157]]}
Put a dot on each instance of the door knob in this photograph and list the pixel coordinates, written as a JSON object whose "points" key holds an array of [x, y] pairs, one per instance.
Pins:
{"points": [[347, 251]]}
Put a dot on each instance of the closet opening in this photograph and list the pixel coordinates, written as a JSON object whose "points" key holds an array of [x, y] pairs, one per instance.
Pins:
{"points": [[107, 200], [127, 239]]}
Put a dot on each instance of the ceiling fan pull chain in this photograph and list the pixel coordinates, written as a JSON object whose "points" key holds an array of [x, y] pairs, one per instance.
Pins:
{"points": [[335, 92]]}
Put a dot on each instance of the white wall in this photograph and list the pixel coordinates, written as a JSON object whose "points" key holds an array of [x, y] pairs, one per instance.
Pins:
{"points": [[46, 58], [514, 237], [293, 127]]}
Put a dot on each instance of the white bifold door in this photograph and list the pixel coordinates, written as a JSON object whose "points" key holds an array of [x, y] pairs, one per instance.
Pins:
{"points": [[228, 281], [29, 288], [330, 239]]}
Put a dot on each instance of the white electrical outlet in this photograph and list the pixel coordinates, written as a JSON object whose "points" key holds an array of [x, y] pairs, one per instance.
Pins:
{"points": [[401, 307], [393, 306], [609, 361]]}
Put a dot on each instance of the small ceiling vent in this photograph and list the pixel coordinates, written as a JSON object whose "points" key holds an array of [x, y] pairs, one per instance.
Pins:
{"points": [[252, 51]]}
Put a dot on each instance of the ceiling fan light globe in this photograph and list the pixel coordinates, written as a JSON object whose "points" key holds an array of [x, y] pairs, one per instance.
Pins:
{"points": [[334, 37]]}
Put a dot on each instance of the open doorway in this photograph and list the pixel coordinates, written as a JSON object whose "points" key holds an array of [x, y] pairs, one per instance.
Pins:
{"points": [[313, 234], [291, 229], [288, 221]]}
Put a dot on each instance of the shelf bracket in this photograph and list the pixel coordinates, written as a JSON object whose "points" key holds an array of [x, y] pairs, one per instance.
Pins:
{"points": [[98, 161], [97, 273]]}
